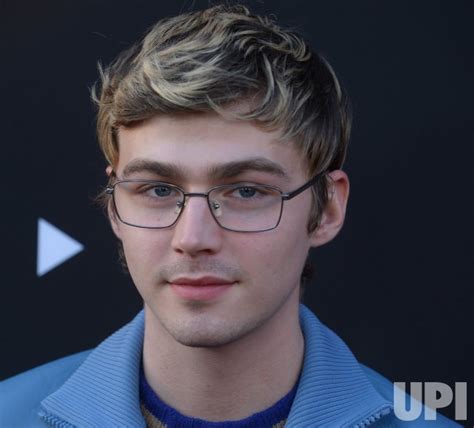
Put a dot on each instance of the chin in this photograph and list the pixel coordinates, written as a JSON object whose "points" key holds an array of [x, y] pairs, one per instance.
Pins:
{"points": [[209, 336], [203, 342]]}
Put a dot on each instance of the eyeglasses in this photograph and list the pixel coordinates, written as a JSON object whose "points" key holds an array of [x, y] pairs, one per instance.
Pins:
{"points": [[152, 204]]}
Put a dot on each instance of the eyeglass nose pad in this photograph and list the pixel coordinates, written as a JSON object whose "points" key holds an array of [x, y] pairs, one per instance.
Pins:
{"points": [[216, 206], [179, 207]]}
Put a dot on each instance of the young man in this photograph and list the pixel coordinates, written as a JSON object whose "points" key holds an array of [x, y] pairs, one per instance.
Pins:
{"points": [[224, 136]]}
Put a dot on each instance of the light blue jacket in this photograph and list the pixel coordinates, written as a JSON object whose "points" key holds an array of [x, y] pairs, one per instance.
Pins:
{"points": [[99, 388]]}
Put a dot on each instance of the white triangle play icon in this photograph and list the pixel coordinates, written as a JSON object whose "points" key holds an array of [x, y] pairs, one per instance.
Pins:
{"points": [[54, 247]]}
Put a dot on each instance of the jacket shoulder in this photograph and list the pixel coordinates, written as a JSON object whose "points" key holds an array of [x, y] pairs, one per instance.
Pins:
{"points": [[21, 395], [385, 388]]}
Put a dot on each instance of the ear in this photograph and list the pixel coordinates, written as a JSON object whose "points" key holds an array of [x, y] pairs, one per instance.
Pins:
{"points": [[334, 214]]}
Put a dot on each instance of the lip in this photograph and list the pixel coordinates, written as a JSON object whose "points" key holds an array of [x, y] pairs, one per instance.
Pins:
{"points": [[201, 289], [203, 281]]}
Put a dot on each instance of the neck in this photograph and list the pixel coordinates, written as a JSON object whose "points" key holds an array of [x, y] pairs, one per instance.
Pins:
{"points": [[229, 382]]}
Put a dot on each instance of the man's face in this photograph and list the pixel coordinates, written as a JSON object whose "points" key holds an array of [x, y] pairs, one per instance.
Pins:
{"points": [[263, 268]]}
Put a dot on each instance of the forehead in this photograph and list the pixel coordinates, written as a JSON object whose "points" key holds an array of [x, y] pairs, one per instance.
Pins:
{"points": [[199, 145]]}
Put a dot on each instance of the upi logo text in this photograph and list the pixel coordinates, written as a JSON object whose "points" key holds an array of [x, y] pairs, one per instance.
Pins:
{"points": [[437, 396]]}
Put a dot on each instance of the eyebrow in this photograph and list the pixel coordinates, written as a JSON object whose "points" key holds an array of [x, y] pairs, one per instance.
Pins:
{"points": [[215, 172]]}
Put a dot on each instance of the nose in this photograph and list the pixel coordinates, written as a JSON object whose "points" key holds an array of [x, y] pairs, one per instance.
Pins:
{"points": [[196, 230]]}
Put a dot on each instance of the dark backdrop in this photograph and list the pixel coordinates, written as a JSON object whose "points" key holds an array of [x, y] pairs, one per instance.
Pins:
{"points": [[396, 284]]}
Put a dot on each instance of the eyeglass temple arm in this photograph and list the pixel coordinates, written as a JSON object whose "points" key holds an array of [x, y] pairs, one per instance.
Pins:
{"points": [[287, 196]]}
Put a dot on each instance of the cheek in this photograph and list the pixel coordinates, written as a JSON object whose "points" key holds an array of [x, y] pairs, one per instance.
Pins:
{"points": [[290, 248], [142, 252], [277, 260]]}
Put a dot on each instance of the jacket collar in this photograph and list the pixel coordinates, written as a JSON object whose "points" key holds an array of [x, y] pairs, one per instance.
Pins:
{"points": [[333, 390], [104, 390]]}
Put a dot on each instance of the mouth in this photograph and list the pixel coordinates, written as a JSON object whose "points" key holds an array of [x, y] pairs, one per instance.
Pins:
{"points": [[201, 289]]}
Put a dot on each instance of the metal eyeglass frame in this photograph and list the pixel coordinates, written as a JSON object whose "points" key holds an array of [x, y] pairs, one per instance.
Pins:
{"points": [[284, 197]]}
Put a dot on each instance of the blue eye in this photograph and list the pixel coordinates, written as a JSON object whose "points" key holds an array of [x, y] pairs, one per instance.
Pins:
{"points": [[162, 191], [247, 192]]}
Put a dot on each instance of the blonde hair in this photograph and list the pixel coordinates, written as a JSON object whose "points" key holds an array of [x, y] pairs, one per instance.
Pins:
{"points": [[208, 60]]}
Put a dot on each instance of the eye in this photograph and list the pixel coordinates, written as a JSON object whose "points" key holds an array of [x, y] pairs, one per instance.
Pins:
{"points": [[246, 192], [249, 193], [161, 190], [157, 191]]}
